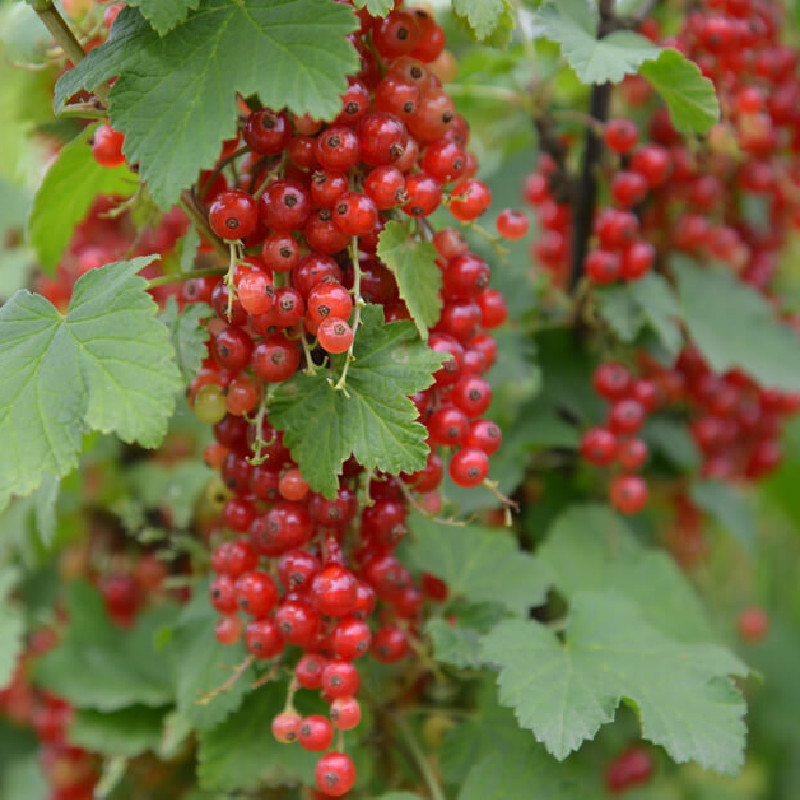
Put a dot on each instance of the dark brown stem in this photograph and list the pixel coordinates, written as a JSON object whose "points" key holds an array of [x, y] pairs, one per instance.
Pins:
{"points": [[586, 196]]}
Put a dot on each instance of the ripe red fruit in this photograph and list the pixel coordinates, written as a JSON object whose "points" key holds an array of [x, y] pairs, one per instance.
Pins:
{"points": [[469, 199], [256, 292], [382, 138], [233, 215], [628, 493], [469, 467], [603, 266], [340, 679], [612, 381], [350, 639], [599, 446], [632, 768], [329, 300], [512, 224], [284, 206], [286, 726], [621, 135], [334, 591], [256, 593], [632, 454], [753, 624], [335, 774], [355, 214], [337, 148], [334, 335], [423, 195], [309, 670], [262, 639], [345, 713], [107, 146], [266, 132]]}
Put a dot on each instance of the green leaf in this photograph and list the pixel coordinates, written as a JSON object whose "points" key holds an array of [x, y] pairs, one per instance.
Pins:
{"points": [[674, 441], [629, 307], [164, 15], [106, 365], [399, 796], [483, 16], [527, 772], [12, 626], [375, 421], [175, 486], [45, 499], [480, 564], [564, 691], [377, 8], [413, 264], [730, 508], [127, 732], [201, 665], [591, 548], [454, 644], [573, 25], [241, 751], [189, 337], [689, 95], [738, 328], [68, 189], [100, 666], [175, 98]]}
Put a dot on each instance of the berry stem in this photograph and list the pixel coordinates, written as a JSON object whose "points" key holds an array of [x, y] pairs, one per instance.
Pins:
{"points": [[358, 301], [586, 196], [237, 673], [420, 759], [65, 38], [311, 368], [221, 166], [179, 277]]}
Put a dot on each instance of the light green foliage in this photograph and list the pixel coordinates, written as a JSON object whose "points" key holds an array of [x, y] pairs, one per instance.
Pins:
{"points": [[164, 15], [690, 96], [734, 326], [591, 548], [375, 420], [12, 626], [483, 16], [482, 564], [565, 690], [68, 189], [175, 98], [378, 8], [189, 337], [127, 732], [648, 302], [419, 280], [102, 667], [106, 365], [730, 507], [201, 665]]}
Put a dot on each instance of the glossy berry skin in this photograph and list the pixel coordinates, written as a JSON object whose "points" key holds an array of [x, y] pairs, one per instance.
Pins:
{"points": [[335, 774], [334, 591], [469, 467], [340, 679], [630, 769], [753, 624], [632, 454], [107, 146], [473, 395], [637, 259], [612, 381], [469, 199], [390, 645], [355, 214], [262, 639], [233, 348], [233, 215], [275, 359], [280, 252], [350, 639], [626, 416], [316, 733], [308, 671], [382, 138], [599, 446], [512, 224], [628, 188], [286, 726], [621, 135], [256, 593], [628, 494], [448, 426], [337, 148], [297, 622], [284, 206], [386, 186], [334, 335], [652, 162], [484, 434], [444, 160], [228, 629], [396, 35], [296, 569], [223, 595], [256, 292], [266, 132], [329, 300], [345, 713], [423, 195], [603, 266]]}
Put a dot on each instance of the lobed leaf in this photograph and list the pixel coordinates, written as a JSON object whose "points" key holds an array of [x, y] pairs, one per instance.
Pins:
{"points": [[375, 421], [106, 365], [175, 97], [164, 15], [189, 337]]}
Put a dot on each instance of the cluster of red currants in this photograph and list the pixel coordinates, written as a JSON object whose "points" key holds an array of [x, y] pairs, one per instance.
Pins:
{"points": [[292, 568], [631, 400], [72, 772]]}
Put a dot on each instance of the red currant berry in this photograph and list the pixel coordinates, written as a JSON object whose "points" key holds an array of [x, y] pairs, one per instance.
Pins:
{"points": [[621, 135], [233, 215], [335, 774], [334, 335], [469, 467], [512, 224], [345, 713], [262, 639], [286, 726], [628, 494], [107, 146]]}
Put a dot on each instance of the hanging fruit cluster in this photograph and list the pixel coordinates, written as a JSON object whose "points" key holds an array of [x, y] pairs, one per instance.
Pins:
{"points": [[669, 196]]}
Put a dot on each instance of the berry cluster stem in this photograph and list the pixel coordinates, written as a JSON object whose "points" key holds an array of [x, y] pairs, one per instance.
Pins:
{"points": [[586, 195], [420, 759], [358, 302]]}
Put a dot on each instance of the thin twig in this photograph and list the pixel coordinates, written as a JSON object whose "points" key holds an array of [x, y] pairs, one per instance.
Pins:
{"points": [[420, 759], [359, 304], [583, 212], [229, 684]]}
